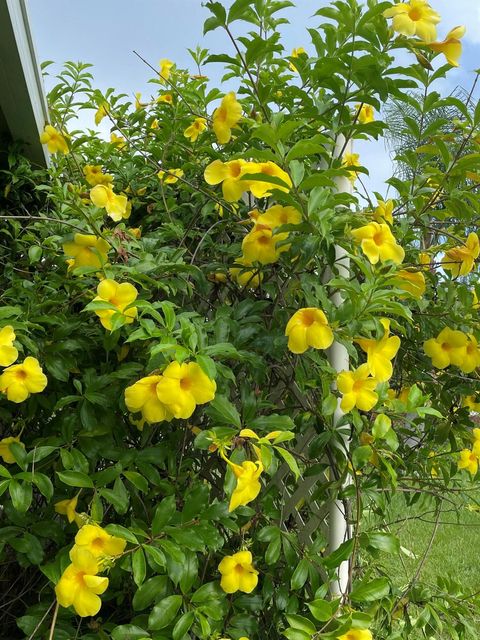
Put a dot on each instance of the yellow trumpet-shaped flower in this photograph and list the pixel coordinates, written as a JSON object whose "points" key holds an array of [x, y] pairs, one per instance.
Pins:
{"points": [[471, 359], [356, 634], [246, 277], [8, 353], [414, 18], [380, 352], [225, 117], [165, 69], [97, 542], [308, 327], [86, 251], [80, 586], [248, 483], [167, 98], [262, 189], [94, 175], [412, 282], [171, 176], [366, 113], [121, 295], [118, 141], [5, 451], [278, 215], [102, 111], [68, 508], [451, 47], [384, 212], [378, 243], [230, 175], [260, 245], [357, 389], [54, 140], [183, 386], [20, 380], [238, 573], [195, 129], [469, 461], [350, 161], [461, 260], [142, 397], [472, 403], [449, 347], [296, 52], [103, 197]]}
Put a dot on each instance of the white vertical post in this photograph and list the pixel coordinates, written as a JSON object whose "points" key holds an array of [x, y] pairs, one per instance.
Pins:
{"points": [[339, 529]]}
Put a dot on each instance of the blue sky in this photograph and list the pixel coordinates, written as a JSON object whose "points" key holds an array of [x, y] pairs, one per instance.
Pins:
{"points": [[105, 33]]}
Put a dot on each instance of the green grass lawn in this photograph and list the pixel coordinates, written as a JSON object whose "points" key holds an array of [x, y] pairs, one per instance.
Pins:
{"points": [[454, 553]]}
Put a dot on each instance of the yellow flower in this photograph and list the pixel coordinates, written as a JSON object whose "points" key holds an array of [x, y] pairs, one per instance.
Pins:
{"points": [[94, 175], [308, 327], [136, 232], [121, 296], [225, 117], [475, 302], [183, 386], [165, 69], [413, 282], [97, 542], [142, 397], [68, 508], [451, 47], [414, 18], [399, 394], [166, 97], [86, 251], [260, 245], [171, 176], [471, 359], [54, 140], [471, 403], [278, 215], [118, 141], [20, 380], [262, 189], [80, 585], [356, 634], [138, 102], [380, 352], [351, 160], [461, 260], [248, 483], [366, 113], [102, 111], [230, 175], [238, 573], [378, 243], [154, 124], [357, 389], [195, 129], [424, 259], [246, 277], [384, 212], [469, 461], [449, 347], [8, 353], [115, 205], [5, 453], [298, 51]]}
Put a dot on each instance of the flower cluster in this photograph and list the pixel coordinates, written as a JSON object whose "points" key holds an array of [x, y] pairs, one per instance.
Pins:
{"points": [[461, 260], [173, 394], [80, 585], [453, 347], [121, 296], [86, 251], [469, 458], [18, 381]]}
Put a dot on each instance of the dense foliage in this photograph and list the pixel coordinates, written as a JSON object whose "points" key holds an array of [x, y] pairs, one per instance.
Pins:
{"points": [[171, 413]]}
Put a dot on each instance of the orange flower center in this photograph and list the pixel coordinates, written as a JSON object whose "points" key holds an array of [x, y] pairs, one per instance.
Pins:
{"points": [[235, 169], [445, 346], [357, 385], [238, 568], [378, 238], [308, 318], [415, 14], [21, 375], [79, 577], [185, 384], [97, 544]]}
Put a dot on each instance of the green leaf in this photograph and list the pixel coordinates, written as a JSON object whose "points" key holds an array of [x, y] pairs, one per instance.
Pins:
{"points": [[336, 558], [207, 365], [21, 495], [118, 496], [321, 610], [164, 612], [370, 591], [39, 453], [380, 541], [361, 455], [138, 481], [240, 9], [223, 411], [163, 514], [139, 567], [121, 532], [44, 484], [290, 460], [381, 425], [304, 148], [128, 632], [75, 479], [182, 625], [302, 623], [151, 590], [296, 634], [273, 422], [300, 574], [207, 592]]}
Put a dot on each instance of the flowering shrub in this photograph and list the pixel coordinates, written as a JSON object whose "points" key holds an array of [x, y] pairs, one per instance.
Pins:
{"points": [[173, 297]]}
